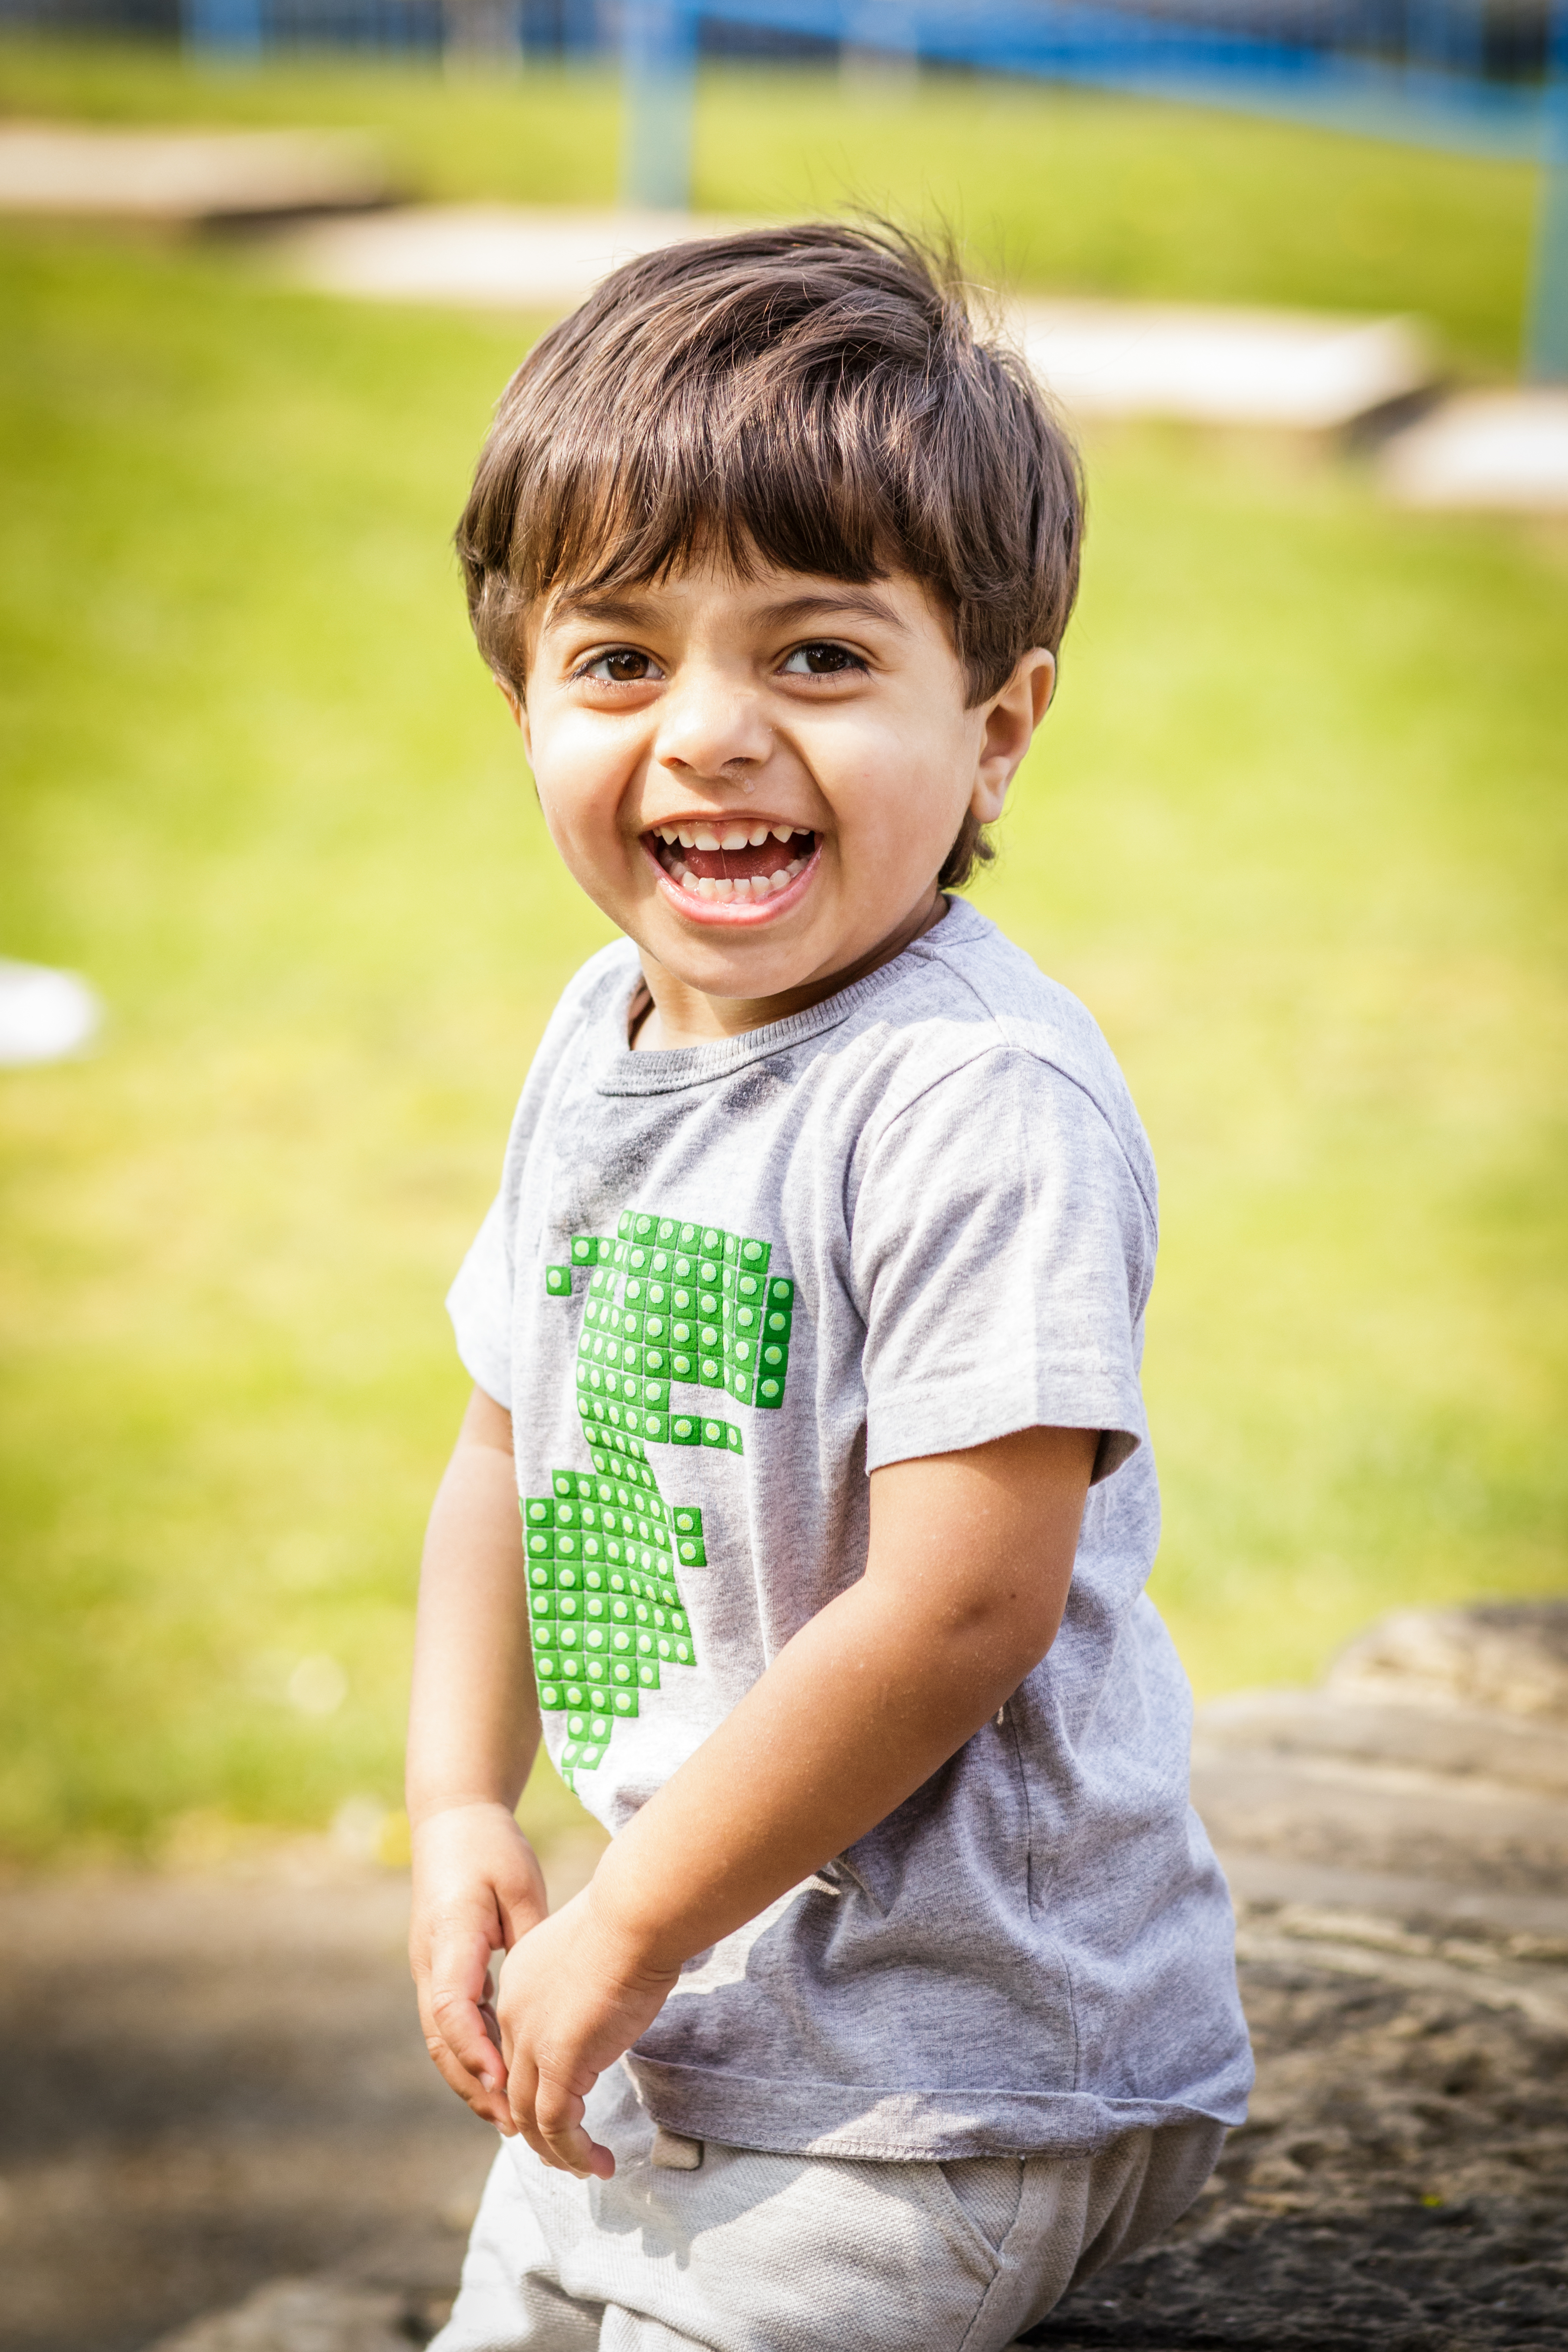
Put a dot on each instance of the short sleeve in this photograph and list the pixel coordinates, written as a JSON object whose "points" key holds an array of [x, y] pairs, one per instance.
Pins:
{"points": [[479, 1304], [1001, 1256]]}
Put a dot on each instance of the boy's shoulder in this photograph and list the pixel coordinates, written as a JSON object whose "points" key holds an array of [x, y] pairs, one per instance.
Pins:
{"points": [[976, 1008], [610, 972], [963, 1012], [986, 978]]}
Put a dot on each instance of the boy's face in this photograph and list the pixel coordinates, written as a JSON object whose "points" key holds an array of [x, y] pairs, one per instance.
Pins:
{"points": [[758, 780]]}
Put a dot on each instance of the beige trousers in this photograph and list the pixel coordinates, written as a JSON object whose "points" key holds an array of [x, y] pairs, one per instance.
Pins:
{"points": [[785, 2253]]}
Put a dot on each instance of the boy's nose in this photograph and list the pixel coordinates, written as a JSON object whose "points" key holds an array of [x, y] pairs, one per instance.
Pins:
{"points": [[709, 730]]}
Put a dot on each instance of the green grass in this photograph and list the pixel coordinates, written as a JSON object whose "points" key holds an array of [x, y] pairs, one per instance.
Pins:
{"points": [[1296, 832], [1050, 188]]}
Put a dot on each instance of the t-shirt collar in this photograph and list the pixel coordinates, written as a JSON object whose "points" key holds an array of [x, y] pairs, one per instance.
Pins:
{"points": [[658, 1072]]}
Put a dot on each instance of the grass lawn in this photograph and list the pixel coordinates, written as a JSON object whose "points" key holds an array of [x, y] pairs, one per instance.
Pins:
{"points": [[1050, 187], [1296, 832]]}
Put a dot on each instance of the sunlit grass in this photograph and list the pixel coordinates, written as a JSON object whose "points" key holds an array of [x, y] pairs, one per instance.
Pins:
{"points": [[1295, 830], [1055, 188]]}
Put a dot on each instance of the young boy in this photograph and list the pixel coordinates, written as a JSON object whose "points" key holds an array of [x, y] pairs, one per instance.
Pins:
{"points": [[807, 1326]]}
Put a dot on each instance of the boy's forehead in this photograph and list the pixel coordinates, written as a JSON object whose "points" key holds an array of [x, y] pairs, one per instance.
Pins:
{"points": [[764, 595]]}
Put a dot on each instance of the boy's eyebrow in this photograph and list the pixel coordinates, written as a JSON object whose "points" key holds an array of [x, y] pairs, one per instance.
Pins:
{"points": [[863, 603], [591, 607], [628, 611]]}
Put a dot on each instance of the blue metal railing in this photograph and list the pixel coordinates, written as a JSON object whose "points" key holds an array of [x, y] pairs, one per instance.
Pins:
{"points": [[1490, 76], [1415, 73]]}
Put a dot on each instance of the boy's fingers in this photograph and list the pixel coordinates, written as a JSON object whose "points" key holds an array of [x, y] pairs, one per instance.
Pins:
{"points": [[522, 2084], [588, 2157], [490, 2105], [574, 2152], [458, 2020], [451, 1997], [458, 2035], [526, 2091], [474, 2071], [558, 2119]]}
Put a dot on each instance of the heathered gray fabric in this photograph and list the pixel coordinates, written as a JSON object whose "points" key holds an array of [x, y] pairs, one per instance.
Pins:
{"points": [[1034, 1951], [776, 2253]]}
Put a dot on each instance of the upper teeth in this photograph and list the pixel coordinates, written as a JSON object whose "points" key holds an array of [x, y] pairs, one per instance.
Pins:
{"points": [[734, 836]]}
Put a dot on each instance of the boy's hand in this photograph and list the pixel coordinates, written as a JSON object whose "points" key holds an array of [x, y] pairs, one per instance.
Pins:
{"points": [[574, 1997], [478, 1889]]}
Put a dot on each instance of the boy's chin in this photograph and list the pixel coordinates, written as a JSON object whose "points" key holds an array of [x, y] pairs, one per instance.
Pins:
{"points": [[733, 966]]}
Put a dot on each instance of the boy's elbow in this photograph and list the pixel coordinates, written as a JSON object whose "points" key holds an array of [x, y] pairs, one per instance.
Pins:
{"points": [[1004, 1636]]}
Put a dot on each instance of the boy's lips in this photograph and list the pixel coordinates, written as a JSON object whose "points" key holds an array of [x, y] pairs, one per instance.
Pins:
{"points": [[731, 869]]}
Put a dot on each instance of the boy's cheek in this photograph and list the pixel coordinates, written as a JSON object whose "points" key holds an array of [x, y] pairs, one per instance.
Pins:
{"points": [[601, 864], [576, 824], [584, 805]]}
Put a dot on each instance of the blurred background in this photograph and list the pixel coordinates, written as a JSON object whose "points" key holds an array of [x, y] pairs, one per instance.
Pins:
{"points": [[1295, 830]]}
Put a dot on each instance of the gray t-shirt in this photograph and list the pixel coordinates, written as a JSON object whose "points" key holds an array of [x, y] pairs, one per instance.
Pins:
{"points": [[719, 1287]]}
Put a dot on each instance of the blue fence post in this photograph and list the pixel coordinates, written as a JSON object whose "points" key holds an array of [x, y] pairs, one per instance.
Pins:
{"points": [[878, 43], [231, 31], [659, 70], [1546, 353]]}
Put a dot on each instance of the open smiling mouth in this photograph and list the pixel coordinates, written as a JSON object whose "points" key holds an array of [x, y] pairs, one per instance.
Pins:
{"points": [[739, 863]]}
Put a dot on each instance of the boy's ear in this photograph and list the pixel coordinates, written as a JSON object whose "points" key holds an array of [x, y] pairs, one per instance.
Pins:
{"points": [[1010, 720], [519, 709]]}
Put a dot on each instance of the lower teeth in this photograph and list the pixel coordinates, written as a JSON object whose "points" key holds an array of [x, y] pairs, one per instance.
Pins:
{"points": [[743, 888]]}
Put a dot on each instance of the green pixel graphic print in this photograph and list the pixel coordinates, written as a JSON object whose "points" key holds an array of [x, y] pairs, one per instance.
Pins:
{"points": [[669, 1305]]}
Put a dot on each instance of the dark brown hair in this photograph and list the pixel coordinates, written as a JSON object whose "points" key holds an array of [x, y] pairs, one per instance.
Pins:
{"points": [[812, 397]]}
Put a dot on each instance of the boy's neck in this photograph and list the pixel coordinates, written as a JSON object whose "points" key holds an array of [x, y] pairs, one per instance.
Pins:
{"points": [[666, 1014]]}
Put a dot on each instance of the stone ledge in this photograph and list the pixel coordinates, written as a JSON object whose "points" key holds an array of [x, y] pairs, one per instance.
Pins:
{"points": [[308, 2316]]}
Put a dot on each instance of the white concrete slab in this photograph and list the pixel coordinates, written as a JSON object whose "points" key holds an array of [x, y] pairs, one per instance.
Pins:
{"points": [[1485, 449], [1216, 366], [1222, 366], [44, 1014], [490, 256], [184, 176]]}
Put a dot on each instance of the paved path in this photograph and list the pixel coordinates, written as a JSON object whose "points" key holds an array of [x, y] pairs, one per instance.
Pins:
{"points": [[1304, 371], [1485, 449], [185, 178], [218, 2102], [1298, 371], [209, 2083], [213, 2082]]}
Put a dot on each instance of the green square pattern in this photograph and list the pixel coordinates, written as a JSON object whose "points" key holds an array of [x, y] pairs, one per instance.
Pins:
{"points": [[601, 1555], [710, 1292], [671, 1305]]}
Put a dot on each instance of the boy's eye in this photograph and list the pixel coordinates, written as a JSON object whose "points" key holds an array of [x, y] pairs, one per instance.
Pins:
{"points": [[820, 660], [623, 666]]}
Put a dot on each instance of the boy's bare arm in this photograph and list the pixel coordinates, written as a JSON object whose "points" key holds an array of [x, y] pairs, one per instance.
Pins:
{"points": [[971, 1557], [473, 1729]]}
